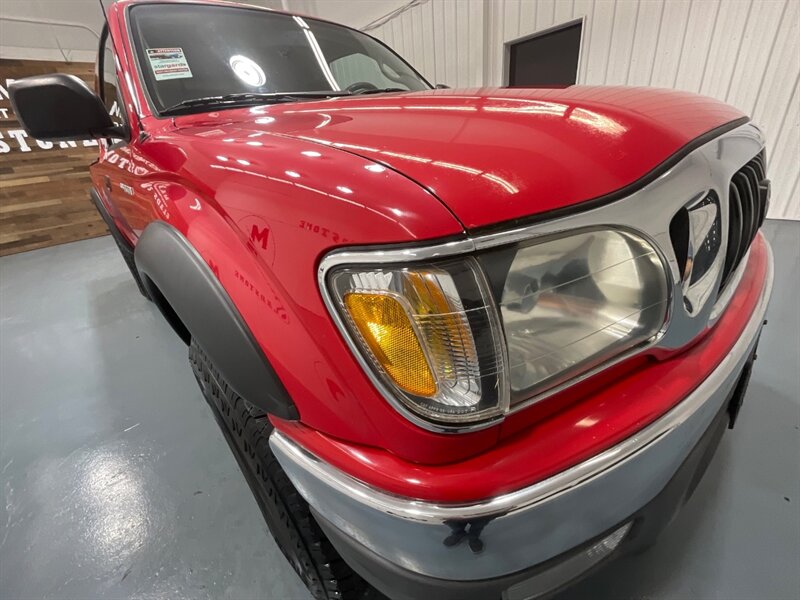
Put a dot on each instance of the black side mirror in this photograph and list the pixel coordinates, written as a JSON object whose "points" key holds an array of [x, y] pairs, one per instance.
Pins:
{"points": [[61, 107], [442, 86]]}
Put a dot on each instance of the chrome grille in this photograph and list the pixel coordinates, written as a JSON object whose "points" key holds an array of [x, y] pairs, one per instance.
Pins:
{"points": [[748, 200]]}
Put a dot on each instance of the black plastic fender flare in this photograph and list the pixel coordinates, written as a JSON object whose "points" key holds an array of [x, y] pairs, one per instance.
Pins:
{"points": [[194, 302]]}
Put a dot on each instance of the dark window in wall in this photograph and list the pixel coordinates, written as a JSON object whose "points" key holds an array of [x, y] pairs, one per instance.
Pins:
{"points": [[546, 59]]}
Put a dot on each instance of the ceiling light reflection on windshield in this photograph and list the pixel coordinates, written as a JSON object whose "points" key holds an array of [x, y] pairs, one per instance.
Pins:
{"points": [[301, 21], [323, 63], [247, 70]]}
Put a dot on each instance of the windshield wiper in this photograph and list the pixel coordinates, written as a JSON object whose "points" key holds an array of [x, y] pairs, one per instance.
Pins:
{"points": [[380, 91], [250, 98]]}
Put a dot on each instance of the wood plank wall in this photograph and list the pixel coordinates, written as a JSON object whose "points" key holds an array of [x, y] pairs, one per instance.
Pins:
{"points": [[44, 191]]}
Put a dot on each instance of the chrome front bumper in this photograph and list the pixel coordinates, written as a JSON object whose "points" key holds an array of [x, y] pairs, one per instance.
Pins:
{"points": [[534, 524]]}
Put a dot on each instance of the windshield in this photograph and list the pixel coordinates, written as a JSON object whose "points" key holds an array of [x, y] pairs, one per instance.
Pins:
{"points": [[192, 51]]}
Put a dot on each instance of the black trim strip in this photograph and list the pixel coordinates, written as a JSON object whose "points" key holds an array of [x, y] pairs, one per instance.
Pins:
{"points": [[622, 192]]}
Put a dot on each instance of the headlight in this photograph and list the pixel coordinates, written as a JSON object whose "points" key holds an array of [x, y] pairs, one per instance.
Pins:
{"points": [[572, 303], [461, 340], [430, 333]]}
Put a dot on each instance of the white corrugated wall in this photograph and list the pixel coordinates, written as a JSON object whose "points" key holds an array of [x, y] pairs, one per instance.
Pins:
{"points": [[745, 52]]}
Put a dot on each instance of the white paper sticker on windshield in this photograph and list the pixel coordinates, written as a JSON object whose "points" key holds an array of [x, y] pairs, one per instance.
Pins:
{"points": [[168, 63]]}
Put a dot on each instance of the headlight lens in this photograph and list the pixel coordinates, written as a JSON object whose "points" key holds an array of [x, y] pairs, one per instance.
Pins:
{"points": [[430, 333], [571, 303], [433, 338]]}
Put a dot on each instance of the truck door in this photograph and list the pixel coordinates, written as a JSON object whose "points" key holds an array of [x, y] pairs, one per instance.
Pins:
{"points": [[115, 173]]}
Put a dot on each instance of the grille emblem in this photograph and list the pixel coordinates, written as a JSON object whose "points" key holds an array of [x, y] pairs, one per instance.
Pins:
{"points": [[703, 257]]}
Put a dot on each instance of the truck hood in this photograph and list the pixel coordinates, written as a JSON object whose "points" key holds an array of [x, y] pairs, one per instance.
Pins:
{"points": [[495, 155]]}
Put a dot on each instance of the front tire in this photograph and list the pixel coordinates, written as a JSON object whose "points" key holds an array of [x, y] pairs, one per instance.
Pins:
{"points": [[247, 429]]}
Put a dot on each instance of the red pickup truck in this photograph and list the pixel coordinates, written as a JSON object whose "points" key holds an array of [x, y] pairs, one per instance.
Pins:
{"points": [[467, 343]]}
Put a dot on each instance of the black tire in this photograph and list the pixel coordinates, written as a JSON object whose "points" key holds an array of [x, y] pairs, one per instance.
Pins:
{"points": [[247, 429]]}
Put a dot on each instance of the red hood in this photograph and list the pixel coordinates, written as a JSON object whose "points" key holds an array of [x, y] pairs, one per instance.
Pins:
{"points": [[494, 155]]}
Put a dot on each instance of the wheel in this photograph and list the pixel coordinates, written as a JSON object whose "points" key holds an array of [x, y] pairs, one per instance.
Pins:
{"points": [[288, 516]]}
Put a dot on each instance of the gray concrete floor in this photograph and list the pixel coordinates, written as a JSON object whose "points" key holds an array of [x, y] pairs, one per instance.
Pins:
{"points": [[118, 484]]}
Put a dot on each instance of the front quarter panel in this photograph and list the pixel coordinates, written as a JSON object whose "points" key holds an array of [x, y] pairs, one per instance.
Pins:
{"points": [[262, 211]]}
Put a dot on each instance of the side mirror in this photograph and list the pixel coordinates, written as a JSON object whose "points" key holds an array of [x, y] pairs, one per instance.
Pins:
{"points": [[61, 107], [442, 86]]}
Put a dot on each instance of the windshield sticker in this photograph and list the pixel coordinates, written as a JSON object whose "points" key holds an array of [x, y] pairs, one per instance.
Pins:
{"points": [[168, 63]]}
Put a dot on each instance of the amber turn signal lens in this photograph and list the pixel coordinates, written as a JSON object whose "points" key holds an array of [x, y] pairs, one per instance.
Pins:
{"points": [[386, 328], [429, 334]]}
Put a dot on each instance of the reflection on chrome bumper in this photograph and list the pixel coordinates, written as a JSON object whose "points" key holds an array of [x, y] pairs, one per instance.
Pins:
{"points": [[534, 524]]}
